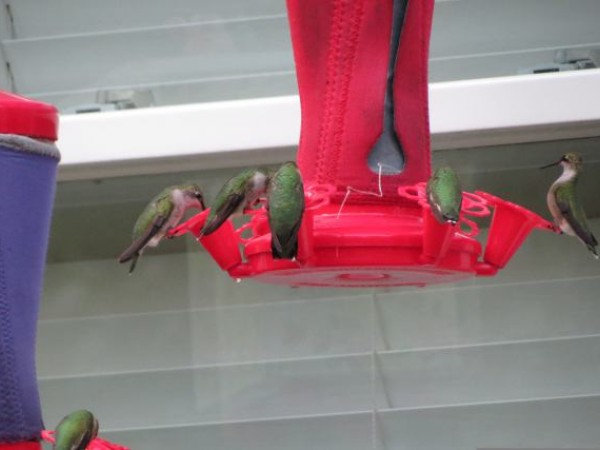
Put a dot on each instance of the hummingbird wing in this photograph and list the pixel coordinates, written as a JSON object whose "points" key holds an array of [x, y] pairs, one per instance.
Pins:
{"points": [[285, 206], [290, 240], [226, 209], [574, 215], [444, 195], [433, 200], [74, 441], [284, 242], [244, 187], [75, 431], [137, 245], [149, 223], [84, 441], [276, 249]]}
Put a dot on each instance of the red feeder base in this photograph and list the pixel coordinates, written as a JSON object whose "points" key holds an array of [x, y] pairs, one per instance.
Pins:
{"points": [[372, 245], [25, 445], [348, 80], [361, 277]]}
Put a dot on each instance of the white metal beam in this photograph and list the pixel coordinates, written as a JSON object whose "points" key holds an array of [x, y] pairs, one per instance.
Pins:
{"points": [[464, 114]]}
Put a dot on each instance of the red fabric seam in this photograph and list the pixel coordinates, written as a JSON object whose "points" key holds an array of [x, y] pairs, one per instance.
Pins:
{"points": [[347, 74], [330, 90]]}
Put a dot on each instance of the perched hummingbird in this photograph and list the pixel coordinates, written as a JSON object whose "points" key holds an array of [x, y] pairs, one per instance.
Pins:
{"points": [[564, 205], [285, 203], [444, 195], [75, 431], [238, 192], [162, 213]]}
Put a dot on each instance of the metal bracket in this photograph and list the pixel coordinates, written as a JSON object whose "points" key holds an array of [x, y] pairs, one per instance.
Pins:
{"points": [[115, 99], [566, 60]]}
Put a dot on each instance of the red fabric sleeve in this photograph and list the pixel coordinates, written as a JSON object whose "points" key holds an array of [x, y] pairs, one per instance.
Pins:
{"points": [[341, 48]]}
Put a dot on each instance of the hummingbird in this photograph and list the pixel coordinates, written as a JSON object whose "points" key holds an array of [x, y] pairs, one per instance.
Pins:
{"points": [[236, 194], [75, 431], [160, 215], [444, 195], [285, 207], [564, 205]]}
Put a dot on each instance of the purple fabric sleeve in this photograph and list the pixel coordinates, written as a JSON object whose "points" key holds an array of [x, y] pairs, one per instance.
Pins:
{"points": [[27, 185]]}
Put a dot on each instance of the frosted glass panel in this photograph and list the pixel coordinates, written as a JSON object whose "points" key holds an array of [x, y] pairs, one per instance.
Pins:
{"points": [[178, 353], [219, 394], [186, 52], [477, 374], [218, 50], [162, 340], [89, 16], [561, 423], [332, 432]]}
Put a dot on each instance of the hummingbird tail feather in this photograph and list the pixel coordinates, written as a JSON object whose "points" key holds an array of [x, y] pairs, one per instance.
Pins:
{"points": [[594, 250], [294, 250], [276, 248], [288, 250], [222, 214], [134, 261], [209, 228], [138, 245], [214, 223]]}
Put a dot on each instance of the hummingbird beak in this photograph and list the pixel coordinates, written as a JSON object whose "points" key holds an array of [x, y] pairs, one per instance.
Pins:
{"points": [[200, 198], [551, 164]]}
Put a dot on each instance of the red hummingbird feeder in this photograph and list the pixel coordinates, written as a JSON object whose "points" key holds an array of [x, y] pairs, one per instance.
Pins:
{"points": [[364, 156]]}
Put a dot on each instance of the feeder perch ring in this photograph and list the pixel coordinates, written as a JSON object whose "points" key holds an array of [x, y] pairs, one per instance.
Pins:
{"points": [[376, 245]]}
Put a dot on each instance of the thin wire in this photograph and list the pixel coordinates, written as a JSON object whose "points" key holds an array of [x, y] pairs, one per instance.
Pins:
{"points": [[350, 189]]}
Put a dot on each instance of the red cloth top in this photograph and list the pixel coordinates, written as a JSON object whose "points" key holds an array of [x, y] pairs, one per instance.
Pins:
{"points": [[19, 115]]}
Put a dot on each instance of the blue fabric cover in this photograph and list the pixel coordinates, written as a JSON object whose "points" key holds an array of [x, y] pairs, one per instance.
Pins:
{"points": [[27, 185]]}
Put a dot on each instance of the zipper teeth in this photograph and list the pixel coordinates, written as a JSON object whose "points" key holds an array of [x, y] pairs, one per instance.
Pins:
{"points": [[425, 31], [346, 78], [347, 19], [332, 66]]}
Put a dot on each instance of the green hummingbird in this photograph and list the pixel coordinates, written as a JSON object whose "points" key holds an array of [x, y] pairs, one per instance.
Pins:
{"points": [[285, 203], [444, 195], [75, 431], [564, 205], [236, 194], [163, 212]]}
